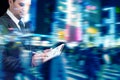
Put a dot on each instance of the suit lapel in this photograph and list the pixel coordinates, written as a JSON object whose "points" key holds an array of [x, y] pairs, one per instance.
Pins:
{"points": [[10, 23]]}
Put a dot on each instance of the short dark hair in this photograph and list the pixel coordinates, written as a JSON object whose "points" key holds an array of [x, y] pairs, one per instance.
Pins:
{"points": [[14, 0]]}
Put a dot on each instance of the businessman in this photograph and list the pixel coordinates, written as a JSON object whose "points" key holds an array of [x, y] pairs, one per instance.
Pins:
{"points": [[13, 20]]}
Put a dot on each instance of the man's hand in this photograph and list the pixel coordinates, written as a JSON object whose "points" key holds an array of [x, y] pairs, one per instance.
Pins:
{"points": [[39, 57]]}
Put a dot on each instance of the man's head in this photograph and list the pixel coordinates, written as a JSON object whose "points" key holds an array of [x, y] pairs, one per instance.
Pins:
{"points": [[19, 7]]}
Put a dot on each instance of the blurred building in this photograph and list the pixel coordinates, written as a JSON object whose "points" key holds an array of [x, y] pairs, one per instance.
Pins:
{"points": [[110, 14], [44, 15]]}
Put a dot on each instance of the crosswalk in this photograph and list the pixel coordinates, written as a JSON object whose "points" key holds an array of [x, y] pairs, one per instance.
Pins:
{"points": [[110, 72], [107, 72], [75, 73]]}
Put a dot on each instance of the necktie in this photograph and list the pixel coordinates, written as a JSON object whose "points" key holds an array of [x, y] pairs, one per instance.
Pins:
{"points": [[21, 24]]}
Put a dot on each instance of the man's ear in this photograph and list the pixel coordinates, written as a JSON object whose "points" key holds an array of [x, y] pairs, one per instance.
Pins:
{"points": [[10, 2]]}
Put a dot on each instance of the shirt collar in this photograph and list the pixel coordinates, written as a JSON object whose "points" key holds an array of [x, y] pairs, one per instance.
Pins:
{"points": [[12, 16]]}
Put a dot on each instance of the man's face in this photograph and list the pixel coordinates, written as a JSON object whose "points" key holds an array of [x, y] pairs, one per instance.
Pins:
{"points": [[19, 7]]}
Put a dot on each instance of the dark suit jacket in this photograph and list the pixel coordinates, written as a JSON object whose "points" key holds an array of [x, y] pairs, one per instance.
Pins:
{"points": [[11, 55], [7, 25]]}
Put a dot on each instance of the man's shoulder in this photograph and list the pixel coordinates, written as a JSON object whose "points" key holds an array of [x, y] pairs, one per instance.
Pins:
{"points": [[5, 16], [4, 19]]}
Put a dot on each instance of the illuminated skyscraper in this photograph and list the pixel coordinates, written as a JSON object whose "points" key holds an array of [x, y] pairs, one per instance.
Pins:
{"points": [[74, 21]]}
